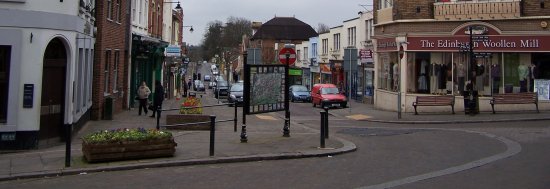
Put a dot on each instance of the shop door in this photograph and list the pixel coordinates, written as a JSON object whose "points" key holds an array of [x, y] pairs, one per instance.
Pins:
{"points": [[53, 91]]}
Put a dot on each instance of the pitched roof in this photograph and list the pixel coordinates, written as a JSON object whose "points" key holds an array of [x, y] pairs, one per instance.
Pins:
{"points": [[285, 28]]}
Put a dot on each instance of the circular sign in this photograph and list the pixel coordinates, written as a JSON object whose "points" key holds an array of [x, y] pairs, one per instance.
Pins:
{"points": [[287, 52]]}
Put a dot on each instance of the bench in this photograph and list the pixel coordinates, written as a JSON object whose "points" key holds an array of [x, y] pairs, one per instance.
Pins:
{"points": [[515, 98], [444, 100]]}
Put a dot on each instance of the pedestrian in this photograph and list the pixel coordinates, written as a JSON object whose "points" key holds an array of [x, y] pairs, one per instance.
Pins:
{"points": [[184, 90], [158, 97], [189, 84], [143, 95]]}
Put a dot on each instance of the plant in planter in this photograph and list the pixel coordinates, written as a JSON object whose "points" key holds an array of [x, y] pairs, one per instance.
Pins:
{"points": [[191, 105], [124, 144]]}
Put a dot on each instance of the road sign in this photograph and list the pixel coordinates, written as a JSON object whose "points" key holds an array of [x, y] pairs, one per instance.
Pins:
{"points": [[291, 58]]}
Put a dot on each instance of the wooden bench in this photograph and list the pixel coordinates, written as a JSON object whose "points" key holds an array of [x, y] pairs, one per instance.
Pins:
{"points": [[444, 100], [515, 98]]}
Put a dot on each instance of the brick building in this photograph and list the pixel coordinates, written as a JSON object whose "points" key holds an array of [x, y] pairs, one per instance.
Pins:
{"points": [[422, 48], [110, 68]]}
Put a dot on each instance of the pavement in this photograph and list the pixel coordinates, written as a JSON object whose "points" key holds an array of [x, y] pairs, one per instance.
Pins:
{"points": [[265, 140]]}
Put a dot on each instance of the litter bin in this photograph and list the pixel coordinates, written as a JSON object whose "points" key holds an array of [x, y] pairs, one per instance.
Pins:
{"points": [[508, 88], [108, 109], [471, 103]]}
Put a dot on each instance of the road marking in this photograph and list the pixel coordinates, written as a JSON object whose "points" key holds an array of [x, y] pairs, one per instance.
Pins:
{"points": [[266, 117], [512, 148], [359, 117]]}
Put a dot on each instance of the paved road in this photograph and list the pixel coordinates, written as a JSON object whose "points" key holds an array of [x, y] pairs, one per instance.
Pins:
{"points": [[386, 153]]}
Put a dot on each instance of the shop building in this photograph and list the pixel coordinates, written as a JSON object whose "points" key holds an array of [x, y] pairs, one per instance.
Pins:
{"points": [[422, 48], [45, 70]]}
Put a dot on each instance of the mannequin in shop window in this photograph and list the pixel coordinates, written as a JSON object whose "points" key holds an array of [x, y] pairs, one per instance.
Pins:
{"points": [[434, 72], [422, 83], [495, 77], [523, 73], [442, 78], [480, 71], [533, 74], [449, 74], [460, 72]]}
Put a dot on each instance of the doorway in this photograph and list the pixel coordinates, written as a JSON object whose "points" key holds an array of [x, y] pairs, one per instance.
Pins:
{"points": [[52, 108]]}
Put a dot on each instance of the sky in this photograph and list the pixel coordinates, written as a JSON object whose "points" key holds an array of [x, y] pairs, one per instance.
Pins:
{"points": [[198, 13]]}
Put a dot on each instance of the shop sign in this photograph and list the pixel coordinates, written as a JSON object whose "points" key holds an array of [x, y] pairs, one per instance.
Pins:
{"points": [[294, 72], [366, 56], [488, 44], [173, 51], [542, 88], [386, 44], [325, 68]]}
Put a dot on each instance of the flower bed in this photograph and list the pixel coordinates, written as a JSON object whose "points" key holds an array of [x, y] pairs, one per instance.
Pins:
{"points": [[191, 105], [125, 144]]}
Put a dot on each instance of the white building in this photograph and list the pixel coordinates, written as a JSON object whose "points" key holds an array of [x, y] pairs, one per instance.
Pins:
{"points": [[46, 58]]}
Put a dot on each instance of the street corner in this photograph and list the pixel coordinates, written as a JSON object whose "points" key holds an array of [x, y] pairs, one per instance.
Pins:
{"points": [[359, 117]]}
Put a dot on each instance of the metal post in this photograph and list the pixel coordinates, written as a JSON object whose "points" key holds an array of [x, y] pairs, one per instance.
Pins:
{"points": [[235, 117], [399, 81], [68, 138], [286, 128], [349, 73], [322, 136], [244, 137], [212, 133], [158, 117], [326, 122]]}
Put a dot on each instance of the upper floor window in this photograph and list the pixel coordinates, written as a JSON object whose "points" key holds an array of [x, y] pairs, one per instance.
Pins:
{"points": [[383, 4], [314, 50], [305, 54], [325, 46], [336, 42], [352, 36], [109, 9], [118, 10]]}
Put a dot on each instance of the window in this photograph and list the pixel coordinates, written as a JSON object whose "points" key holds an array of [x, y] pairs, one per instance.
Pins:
{"points": [[134, 10], [159, 21], [336, 42], [5, 52], [314, 50], [352, 36], [109, 9], [298, 55], [325, 46], [106, 72], [369, 31], [118, 10], [385, 4], [115, 71], [79, 79], [306, 57]]}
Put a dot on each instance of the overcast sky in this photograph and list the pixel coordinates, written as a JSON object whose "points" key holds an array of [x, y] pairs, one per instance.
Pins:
{"points": [[198, 13]]}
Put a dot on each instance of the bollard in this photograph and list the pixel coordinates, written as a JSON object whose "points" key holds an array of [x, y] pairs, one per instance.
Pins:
{"points": [[68, 145], [235, 117], [158, 117], [326, 122], [323, 115], [212, 133]]}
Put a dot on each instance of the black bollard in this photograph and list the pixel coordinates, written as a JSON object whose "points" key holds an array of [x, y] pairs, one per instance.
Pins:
{"points": [[326, 122], [235, 118], [323, 115], [212, 133], [158, 117], [68, 138]]}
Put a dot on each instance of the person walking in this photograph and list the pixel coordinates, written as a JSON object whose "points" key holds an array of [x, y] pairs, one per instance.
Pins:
{"points": [[158, 97], [143, 95]]}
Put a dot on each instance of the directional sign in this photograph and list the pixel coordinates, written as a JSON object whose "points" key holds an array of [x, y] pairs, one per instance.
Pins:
{"points": [[287, 51]]}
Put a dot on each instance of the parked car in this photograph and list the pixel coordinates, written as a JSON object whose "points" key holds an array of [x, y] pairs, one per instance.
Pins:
{"points": [[222, 89], [299, 93], [195, 84], [206, 77], [236, 94], [215, 71], [200, 86], [327, 95]]}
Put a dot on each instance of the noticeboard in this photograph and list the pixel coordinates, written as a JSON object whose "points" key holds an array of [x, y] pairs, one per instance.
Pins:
{"points": [[264, 88], [542, 88]]}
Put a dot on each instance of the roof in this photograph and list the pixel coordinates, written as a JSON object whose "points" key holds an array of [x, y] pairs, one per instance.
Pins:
{"points": [[285, 28]]}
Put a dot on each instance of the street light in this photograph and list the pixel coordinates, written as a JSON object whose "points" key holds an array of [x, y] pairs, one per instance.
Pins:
{"points": [[177, 6], [190, 30]]}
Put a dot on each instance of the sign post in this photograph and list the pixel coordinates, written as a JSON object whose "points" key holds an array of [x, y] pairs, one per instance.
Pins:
{"points": [[287, 56]]}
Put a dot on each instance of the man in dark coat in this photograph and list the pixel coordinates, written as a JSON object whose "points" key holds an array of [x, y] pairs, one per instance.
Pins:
{"points": [[158, 97]]}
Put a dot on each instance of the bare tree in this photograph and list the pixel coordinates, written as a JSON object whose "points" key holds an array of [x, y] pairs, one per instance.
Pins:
{"points": [[322, 28]]}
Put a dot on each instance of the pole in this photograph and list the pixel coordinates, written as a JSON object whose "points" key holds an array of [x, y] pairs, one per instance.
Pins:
{"points": [[398, 83], [286, 128], [235, 117], [244, 137], [322, 135], [326, 123], [158, 117], [212, 133], [68, 138], [349, 89]]}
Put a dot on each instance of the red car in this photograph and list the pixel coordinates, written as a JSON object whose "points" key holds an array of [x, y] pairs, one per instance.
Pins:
{"points": [[327, 95]]}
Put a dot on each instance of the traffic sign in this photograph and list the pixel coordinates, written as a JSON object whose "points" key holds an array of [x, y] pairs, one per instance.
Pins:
{"points": [[290, 52]]}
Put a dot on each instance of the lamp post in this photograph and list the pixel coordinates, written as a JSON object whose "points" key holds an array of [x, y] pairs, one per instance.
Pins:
{"points": [[177, 6], [190, 30]]}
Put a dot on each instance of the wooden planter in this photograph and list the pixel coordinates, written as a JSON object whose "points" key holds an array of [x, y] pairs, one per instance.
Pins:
{"points": [[188, 118], [129, 150]]}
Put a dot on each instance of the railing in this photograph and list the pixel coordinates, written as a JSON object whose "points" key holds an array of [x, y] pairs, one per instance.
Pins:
{"points": [[477, 10]]}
